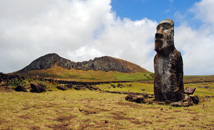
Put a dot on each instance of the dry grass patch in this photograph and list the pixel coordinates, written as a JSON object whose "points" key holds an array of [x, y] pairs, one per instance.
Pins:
{"points": [[94, 110]]}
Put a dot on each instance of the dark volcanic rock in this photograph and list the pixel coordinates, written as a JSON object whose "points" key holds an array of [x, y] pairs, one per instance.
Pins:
{"points": [[105, 63], [136, 98], [79, 87], [47, 61], [20, 89], [168, 65], [37, 88], [61, 87], [187, 101], [195, 99], [177, 104], [8, 77]]}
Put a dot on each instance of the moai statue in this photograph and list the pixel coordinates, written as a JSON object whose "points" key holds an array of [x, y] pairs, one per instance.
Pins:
{"points": [[168, 65]]}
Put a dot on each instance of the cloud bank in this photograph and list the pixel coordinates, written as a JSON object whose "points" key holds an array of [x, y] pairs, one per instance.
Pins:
{"points": [[84, 29], [197, 44]]}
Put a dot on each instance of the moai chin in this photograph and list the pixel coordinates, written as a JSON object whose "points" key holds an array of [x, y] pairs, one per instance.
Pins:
{"points": [[168, 65]]}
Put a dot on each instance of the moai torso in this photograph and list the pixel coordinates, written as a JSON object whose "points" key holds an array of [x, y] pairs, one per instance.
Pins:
{"points": [[168, 65]]}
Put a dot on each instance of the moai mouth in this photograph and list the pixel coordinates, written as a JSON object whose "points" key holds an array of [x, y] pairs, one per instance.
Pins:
{"points": [[159, 38]]}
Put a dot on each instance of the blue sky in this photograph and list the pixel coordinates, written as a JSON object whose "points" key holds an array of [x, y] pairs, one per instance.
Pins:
{"points": [[81, 30], [155, 10]]}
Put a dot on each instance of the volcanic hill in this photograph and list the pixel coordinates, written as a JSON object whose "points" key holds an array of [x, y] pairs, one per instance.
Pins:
{"points": [[105, 63]]}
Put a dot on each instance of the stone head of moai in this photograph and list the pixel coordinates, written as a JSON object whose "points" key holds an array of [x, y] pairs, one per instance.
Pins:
{"points": [[168, 64], [164, 37]]}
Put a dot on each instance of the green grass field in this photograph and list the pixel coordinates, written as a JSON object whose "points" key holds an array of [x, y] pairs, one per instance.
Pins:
{"points": [[95, 110]]}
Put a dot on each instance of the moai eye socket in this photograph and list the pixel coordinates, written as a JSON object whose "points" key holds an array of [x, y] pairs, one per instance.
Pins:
{"points": [[167, 26], [164, 25]]}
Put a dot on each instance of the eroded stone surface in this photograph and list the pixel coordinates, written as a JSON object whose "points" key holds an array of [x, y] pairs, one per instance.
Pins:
{"points": [[168, 65], [37, 88]]}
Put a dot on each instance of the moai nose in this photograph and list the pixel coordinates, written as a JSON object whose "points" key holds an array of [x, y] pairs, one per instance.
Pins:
{"points": [[159, 34]]}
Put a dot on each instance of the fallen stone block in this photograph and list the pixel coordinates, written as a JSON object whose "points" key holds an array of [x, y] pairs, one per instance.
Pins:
{"points": [[20, 89], [37, 88]]}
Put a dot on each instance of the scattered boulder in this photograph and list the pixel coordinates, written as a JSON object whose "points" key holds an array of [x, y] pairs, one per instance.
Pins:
{"points": [[61, 87], [92, 88], [151, 96], [37, 88], [119, 85], [161, 103], [113, 86], [8, 77], [130, 85], [195, 99], [207, 87], [69, 86], [20, 88], [79, 87], [177, 104], [167, 102], [143, 89], [186, 102], [135, 98]]}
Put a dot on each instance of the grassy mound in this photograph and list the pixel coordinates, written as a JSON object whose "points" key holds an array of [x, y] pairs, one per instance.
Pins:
{"points": [[59, 72]]}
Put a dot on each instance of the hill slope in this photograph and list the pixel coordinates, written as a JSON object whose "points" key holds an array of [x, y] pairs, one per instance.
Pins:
{"points": [[105, 63]]}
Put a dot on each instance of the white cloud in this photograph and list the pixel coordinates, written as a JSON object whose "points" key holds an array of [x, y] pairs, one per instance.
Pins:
{"points": [[75, 29], [197, 47], [197, 44], [204, 11], [130, 40]]}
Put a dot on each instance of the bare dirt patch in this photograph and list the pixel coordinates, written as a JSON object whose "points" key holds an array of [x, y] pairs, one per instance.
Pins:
{"points": [[62, 126], [147, 122], [150, 108], [194, 119], [2, 121], [130, 105], [64, 118], [120, 116], [108, 125], [182, 125], [102, 109], [87, 112], [177, 111], [35, 128], [169, 118], [86, 126], [88, 106], [193, 113], [136, 122], [25, 116], [118, 113], [160, 120], [25, 108]]}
